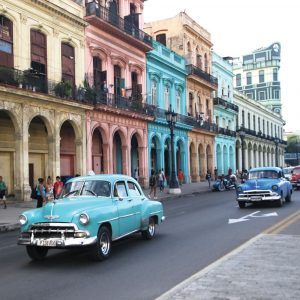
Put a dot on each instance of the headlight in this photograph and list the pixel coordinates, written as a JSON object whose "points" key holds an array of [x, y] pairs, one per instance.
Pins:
{"points": [[275, 187], [22, 219], [84, 218]]}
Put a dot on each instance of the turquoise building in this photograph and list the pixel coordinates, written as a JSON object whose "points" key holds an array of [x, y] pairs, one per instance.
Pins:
{"points": [[166, 87], [225, 112]]}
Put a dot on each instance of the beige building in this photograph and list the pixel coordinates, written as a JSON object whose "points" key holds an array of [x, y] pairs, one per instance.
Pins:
{"points": [[187, 38], [42, 116]]}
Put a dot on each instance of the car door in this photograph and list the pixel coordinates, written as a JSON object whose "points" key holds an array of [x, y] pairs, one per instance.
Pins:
{"points": [[127, 222], [137, 200]]}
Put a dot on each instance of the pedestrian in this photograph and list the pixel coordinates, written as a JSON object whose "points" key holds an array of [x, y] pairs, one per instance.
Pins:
{"points": [[161, 180], [49, 190], [208, 177], [57, 187], [180, 177], [136, 175], [216, 173], [153, 184], [41, 193], [233, 179], [3, 189]]}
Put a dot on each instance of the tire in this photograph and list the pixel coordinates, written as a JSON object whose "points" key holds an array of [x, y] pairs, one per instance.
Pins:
{"points": [[280, 201], [288, 198], [221, 187], [36, 253], [149, 233], [102, 249], [242, 204]]}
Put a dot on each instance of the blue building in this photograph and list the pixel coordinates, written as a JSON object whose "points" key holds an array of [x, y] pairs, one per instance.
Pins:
{"points": [[225, 113], [166, 86]]}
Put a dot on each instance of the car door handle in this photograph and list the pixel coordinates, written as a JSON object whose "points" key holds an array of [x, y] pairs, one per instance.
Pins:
{"points": [[129, 200]]}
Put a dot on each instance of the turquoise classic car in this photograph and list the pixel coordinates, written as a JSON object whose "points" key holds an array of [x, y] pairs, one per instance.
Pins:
{"points": [[92, 211], [265, 184]]}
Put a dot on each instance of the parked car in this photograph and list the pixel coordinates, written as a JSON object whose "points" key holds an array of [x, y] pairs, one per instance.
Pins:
{"points": [[264, 184], [288, 172], [295, 178], [93, 211]]}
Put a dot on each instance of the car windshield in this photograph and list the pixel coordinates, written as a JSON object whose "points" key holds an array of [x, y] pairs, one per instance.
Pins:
{"points": [[287, 170], [263, 174], [71, 188]]}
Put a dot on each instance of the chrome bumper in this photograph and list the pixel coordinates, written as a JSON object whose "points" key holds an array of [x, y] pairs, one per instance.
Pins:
{"points": [[258, 199]]}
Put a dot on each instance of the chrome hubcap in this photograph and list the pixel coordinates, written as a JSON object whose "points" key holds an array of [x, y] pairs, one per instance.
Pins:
{"points": [[151, 228], [104, 243]]}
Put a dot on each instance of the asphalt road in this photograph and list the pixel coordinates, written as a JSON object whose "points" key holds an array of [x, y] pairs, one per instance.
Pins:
{"points": [[196, 233]]}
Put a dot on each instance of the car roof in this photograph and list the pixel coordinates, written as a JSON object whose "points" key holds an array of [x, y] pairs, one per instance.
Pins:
{"points": [[108, 177], [276, 169]]}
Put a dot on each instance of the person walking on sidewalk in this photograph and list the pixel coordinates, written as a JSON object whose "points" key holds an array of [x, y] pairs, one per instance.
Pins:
{"points": [[180, 177], [41, 193], [161, 180], [208, 177], [153, 184], [49, 190], [57, 187], [3, 189]]}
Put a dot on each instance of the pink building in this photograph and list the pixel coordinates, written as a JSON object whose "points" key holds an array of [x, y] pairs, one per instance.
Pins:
{"points": [[116, 79]]}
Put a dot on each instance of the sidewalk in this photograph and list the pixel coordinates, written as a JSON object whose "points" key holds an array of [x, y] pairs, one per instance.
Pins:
{"points": [[9, 216]]}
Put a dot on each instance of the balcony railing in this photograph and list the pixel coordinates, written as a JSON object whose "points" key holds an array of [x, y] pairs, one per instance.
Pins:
{"points": [[225, 104], [116, 21], [188, 120], [37, 83], [193, 70], [226, 131]]}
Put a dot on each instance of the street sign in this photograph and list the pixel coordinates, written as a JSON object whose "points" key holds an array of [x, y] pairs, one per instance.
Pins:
{"points": [[253, 215]]}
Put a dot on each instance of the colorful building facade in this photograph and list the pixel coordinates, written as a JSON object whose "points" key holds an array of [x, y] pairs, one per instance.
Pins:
{"points": [[166, 88], [225, 112]]}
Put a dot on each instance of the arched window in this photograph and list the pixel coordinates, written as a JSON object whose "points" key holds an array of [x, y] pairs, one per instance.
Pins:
{"points": [[154, 92], [6, 43], [178, 101], [167, 95], [68, 63]]}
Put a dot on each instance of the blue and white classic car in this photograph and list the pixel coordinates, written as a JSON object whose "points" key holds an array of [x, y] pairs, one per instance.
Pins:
{"points": [[265, 184], [92, 211]]}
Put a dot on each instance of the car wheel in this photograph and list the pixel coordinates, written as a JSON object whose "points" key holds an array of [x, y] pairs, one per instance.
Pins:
{"points": [[149, 233], [280, 201], [242, 204], [288, 197], [101, 250], [36, 253], [221, 187]]}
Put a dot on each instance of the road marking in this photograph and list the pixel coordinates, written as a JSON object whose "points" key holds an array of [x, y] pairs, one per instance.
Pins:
{"points": [[253, 215], [278, 227]]}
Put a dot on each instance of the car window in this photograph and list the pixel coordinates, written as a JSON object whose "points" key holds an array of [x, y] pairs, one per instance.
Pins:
{"points": [[269, 174], [71, 189], [296, 171], [99, 188], [120, 189], [133, 189]]}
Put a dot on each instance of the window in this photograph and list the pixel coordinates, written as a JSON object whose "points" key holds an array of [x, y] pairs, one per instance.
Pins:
{"points": [[191, 97], [238, 79], [243, 118], [99, 188], [261, 96], [120, 190], [178, 101], [276, 94], [249, 123], [154, 92], [263, 126], [268, 127], [205, 63], [249, 95], [6, 42], [133, 189], [217, 120], [275, 74], [162, 38], [228, 91], [261, 76], [68, 63], [167, 102], [258, 123], [254, 123], [249, 78]]}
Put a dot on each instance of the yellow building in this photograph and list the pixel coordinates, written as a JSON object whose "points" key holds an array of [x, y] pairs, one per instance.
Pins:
{"points": [[187, 38], [42, 116]]}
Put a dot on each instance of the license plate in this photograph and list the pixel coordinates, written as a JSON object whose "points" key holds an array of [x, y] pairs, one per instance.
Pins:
{"points": [[46, 243], [256, 198]]}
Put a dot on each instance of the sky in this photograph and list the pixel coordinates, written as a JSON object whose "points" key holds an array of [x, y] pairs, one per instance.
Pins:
{"points": [[239, 27]]}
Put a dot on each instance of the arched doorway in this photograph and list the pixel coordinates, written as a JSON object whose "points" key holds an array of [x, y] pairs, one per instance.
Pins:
{"points": [[67, 150], [193, 155], [38, 151], [117, 154], [167, 158], [238, 158], [134, 155], [201, 160], [97, 152], [7, 150], [231, 159]]}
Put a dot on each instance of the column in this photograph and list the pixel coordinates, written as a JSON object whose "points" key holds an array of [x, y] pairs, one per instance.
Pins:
{"points": [[25, 143]]}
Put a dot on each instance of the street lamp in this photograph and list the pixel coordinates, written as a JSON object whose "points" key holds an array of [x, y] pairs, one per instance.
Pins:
{"points": [[171, 118], [242, 136], [276, 141]]}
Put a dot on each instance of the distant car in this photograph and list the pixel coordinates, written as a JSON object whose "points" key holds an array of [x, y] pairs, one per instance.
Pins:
{"points": [[264, 184], [93, 211], [295, 178], [288, 172]]}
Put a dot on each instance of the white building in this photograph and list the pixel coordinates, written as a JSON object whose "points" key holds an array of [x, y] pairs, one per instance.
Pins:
{"points": [[261, 130]]}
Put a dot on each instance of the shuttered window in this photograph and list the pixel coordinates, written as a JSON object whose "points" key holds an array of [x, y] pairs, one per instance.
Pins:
{"points": [[6, 42], [68, 63]]}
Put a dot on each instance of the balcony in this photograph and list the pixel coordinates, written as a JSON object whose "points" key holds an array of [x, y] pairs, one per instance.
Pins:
{"points": [[102, 18], [36, 83], [226, 131], [193, 70], [226, 104]]}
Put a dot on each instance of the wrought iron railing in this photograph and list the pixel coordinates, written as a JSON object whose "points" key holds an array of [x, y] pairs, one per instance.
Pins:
{"points": [[193, 70], [226, 131], [113, 19], [225, 104]]}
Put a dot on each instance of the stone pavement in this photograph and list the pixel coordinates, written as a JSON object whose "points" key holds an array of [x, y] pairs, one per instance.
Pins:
{"points": [[9, 216]]}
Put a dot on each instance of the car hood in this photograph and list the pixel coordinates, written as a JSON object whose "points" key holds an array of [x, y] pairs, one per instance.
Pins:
{"points": [[259, 184], [63, 210]]}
